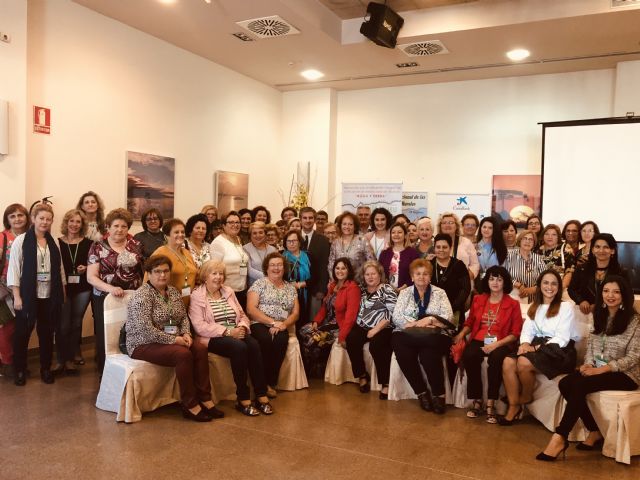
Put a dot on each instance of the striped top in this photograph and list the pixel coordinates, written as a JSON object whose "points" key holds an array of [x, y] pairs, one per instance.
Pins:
{"points": [[376, 307], [222, 312], [524, 271]]}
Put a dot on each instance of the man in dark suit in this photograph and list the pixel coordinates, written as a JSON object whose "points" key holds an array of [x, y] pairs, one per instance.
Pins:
{"points": [[317, 247]]}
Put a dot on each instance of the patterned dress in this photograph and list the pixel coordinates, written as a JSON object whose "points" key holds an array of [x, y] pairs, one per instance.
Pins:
{"points": [[122, 270]]}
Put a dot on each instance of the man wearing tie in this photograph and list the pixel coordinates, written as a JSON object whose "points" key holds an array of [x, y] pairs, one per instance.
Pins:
{"points": [[317, 247]]}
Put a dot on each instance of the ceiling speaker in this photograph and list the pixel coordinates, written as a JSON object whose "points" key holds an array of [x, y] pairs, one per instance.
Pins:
{"points": [[383, 25]]}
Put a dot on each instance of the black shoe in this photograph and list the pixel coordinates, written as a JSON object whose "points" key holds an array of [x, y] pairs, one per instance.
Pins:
{"points": [[365, 387], [548, 458], [425, 401], [439, 406], [201, 416], [265, 408], [58, 369], [248, 410], [20, 379], [384, 396], [596, 446], [213, 412], [505, 422], [47, 376]]}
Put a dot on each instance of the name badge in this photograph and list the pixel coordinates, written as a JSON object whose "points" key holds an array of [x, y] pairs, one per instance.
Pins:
{"points": [[243, 270], [171, 329], [43, 277], [186, 291], [600, 362], [489, 339], [73, 279]]}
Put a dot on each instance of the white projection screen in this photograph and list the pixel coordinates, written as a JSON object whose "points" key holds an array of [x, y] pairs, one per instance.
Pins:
{"points": [[591, 171]]}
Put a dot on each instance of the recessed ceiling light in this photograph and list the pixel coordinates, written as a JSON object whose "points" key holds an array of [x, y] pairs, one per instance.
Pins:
{"points": [[518, 54], [167, 2], [312, 74]]}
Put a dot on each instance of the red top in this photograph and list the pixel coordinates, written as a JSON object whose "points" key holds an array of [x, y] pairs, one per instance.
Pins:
{"points": [[508, 320], [346, 307]]}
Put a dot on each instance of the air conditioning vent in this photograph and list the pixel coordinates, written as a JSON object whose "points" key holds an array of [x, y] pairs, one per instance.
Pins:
{"points": [[624, 3], [269, 27], [424, 48]]}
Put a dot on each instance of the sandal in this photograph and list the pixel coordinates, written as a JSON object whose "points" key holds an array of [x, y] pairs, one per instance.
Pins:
{"points": [[265, 408], [248, 410], [491, 414], [366, 386], [476, 410]]}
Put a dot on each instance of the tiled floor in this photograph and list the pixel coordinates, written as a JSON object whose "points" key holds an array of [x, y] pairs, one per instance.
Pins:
{"points": [[55, 432]]}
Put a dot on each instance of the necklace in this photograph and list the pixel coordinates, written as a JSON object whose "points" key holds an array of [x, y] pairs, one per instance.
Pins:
{"points": [[184, 263]]}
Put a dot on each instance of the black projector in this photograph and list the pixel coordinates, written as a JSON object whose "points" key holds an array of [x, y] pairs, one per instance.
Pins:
{"points": [[383, 25]]}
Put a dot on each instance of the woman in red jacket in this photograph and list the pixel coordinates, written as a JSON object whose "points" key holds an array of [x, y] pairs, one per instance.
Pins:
{"points": [[494, 321], [334, 320]]}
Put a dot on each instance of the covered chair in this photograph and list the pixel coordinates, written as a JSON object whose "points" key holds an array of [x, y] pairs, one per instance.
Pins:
{"points": [[399, 388], [292, 374], [339, 371], [130, 387]]}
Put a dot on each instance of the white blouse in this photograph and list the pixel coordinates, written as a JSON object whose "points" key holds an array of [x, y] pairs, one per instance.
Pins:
{"points": [[560, 328], [235, 259]]}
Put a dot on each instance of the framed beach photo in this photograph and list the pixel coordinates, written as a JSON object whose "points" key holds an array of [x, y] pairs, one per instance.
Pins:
{"points": [[150, 183]]}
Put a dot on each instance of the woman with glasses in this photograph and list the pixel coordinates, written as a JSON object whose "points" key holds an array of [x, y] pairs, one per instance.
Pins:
{"points": [[151, 237], [524, 266], [299, 267], [470, 224], [462, 249], [227, 248]]}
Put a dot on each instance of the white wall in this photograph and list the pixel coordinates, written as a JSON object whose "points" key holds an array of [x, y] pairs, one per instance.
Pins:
{"points": [[453, 137], [112, 88], [627, 95], [13, 89]]}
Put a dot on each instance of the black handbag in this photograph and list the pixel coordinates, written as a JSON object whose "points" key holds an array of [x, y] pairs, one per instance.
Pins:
{"points": [[122, 340]]}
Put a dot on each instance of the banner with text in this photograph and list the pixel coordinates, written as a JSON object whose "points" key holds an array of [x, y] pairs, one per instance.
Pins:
{"points": [[463, 203], [414, 204], [386, 195]]}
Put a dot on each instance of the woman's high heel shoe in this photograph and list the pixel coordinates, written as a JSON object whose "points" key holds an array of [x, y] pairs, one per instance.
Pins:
{"points": [[548, 458], [505, 422], [365, 387], [597, 445], [201, 416]]}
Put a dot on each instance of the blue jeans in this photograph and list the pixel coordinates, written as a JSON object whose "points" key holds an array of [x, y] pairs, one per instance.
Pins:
{"points": [[69, 331]]}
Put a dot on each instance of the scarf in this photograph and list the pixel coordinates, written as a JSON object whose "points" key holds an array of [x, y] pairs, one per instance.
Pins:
{"points": [[28, 281], [299, 268], [422, 306]]}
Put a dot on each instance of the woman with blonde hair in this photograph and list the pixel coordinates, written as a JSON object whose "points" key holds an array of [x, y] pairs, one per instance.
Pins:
{"points": [[74, 249], [223, 327], [36, 277], [462, 248]]}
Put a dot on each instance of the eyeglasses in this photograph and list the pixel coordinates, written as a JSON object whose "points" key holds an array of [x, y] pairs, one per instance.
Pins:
{"points": [[293, 240], [161, 272], [449, 222], [233, 223]]}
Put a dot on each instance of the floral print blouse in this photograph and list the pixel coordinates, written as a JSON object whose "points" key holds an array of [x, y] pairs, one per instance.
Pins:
{"points": [[122, 270]]}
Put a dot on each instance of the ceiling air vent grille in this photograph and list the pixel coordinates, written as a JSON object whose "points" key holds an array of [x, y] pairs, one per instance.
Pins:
{"points": [[624, 3], [269, 27], [424, 48]]}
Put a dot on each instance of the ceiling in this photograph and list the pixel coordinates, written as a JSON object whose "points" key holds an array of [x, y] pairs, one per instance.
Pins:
{"points": [[562, 35]]}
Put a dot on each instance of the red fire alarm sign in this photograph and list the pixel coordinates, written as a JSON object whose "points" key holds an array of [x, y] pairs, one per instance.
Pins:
{"points": [[42, 120]]}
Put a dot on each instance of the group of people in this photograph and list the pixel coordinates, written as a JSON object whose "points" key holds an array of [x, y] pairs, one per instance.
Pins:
{"points": [[239, 286]]}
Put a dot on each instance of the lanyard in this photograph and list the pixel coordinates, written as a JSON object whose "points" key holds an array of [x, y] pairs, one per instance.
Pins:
{"points": [[43, 254], [183, 261], [375, 245], [238, 247], [492, 317], [73, 256]]}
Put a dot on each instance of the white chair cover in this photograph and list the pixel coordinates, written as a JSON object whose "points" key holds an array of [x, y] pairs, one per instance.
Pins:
{"points": [[399, 388], [339, 371], [130, 387], [292, 374], [617, 414], [223, 387]]}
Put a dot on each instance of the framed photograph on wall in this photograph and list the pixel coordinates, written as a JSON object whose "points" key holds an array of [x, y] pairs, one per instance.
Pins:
{"points": [[516, 197], [150, 183], [231, 191]]}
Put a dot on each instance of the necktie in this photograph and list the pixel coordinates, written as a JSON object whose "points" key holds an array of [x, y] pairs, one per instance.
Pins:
{"points": [[306, 242]]}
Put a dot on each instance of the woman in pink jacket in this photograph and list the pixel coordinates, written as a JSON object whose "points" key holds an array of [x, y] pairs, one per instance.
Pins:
{"points": [[222, 325]]}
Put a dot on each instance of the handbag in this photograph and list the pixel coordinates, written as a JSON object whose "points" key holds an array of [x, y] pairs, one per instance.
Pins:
{"points": [[122, 340], [456, 351]]}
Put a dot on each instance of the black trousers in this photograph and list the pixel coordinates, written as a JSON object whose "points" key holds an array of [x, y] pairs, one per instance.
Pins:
{"points": [[472, 359], [97, 306], [575, 388], [273, 348], [379, 347], [44, 325], [426, 350], [245, 355]]}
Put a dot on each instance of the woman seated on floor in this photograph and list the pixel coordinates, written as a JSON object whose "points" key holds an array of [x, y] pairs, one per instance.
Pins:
{"points": [[334, 320], [546, 345], [222, 326], [158, 332], [373, 325], [494, 322], [612, 362], [272, 306], [422, 335]]}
